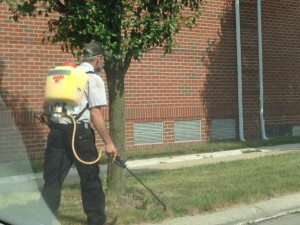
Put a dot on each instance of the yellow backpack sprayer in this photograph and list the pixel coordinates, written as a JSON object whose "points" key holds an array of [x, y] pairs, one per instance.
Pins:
{"points": [[65, 87]]}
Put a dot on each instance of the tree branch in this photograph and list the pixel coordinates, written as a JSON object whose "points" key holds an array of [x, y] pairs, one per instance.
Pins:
{"points": [[60, 7]]}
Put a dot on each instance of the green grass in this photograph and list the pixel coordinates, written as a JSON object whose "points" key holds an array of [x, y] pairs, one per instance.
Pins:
{"points": [[195, 190]]}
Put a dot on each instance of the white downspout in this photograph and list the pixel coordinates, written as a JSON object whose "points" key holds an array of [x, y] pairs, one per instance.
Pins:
{"points": [[260, 70], [239, 70]]}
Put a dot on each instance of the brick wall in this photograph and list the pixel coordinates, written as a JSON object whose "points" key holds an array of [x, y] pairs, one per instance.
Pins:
{"points": [[280, 22], [24, 62], [197, 81]]}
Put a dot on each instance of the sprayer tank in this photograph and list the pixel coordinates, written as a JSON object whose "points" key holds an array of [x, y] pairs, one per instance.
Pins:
{"points": [[65, 84]]}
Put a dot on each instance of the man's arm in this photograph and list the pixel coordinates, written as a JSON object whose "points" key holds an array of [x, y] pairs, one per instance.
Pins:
{"points": [[100, 126]]}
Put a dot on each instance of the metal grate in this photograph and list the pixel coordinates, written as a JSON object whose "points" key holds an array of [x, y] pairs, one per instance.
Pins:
{"points": [[223, 129], [187, 130], [148, 133]]}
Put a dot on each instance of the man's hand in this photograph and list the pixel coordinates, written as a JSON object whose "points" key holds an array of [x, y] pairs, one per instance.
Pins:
{"points": [[112, 152]]}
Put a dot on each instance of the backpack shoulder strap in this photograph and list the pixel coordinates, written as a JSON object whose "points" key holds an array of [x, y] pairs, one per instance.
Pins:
{"points": [[82, 111], [92, 72], [87, 105]]}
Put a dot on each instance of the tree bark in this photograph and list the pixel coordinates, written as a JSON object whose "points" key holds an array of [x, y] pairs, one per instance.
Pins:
{"points": [[115, 82]]}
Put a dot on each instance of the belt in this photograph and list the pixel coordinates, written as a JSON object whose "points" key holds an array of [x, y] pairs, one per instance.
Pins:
{"points": [[81, 123], [64, 126]]}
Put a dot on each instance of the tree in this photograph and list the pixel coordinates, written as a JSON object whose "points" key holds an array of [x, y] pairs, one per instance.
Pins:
{"points": [[126, 28]]}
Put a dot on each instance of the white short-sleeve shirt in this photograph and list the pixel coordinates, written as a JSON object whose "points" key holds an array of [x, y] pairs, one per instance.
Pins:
{"points": [[95, 94]]}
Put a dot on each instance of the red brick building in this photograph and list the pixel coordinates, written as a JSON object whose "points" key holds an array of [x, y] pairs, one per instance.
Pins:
{"points": [[189, 96]]}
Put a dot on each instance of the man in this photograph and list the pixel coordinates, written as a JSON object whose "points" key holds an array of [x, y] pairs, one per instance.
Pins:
{"points": [[59, 156]]}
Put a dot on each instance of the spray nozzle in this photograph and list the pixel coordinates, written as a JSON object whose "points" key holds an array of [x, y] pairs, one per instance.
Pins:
{"points": [[120, 162]]}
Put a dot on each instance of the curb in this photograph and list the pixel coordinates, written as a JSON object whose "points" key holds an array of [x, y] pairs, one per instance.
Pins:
{"points": [[242, 215], [270, 217]]}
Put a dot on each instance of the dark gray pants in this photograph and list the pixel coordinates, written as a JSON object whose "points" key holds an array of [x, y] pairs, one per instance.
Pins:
{"points": [[58, 161]]}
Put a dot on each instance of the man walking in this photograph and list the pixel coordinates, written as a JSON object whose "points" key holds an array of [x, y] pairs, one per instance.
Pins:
{"points": [[59, 156]]}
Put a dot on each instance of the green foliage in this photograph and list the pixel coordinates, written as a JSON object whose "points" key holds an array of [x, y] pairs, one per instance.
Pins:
{"points": [[128, 28]]}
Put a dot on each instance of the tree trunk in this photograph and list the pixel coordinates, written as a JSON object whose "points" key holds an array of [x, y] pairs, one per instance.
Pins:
{"points": [[115, 82]]}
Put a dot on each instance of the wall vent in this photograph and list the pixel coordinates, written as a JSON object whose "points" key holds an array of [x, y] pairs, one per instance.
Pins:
{"points": [[148, 133], [223, 129], [187, 130]]}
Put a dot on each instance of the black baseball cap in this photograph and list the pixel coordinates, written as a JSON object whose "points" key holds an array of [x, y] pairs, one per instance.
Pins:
{"points": [[94, 48]]}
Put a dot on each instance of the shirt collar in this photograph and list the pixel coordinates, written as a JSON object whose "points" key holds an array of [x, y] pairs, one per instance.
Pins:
{"points": [[87, 66]]}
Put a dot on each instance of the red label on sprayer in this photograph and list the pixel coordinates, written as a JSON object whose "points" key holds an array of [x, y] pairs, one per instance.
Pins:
{"points": [[58, 78]]}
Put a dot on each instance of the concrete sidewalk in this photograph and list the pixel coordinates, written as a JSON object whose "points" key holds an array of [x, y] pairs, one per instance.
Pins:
{"points": [[240, 215], [173, 162]]}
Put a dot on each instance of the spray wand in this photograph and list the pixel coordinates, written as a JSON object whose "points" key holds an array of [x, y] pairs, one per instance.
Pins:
{"points": [[122, 163]]}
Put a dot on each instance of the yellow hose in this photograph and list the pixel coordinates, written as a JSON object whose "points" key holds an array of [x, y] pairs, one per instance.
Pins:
{"points": [[73, 147]]}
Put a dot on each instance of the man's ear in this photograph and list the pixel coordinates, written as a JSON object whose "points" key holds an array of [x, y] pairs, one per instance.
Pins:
{"points": [[96, 62]]}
